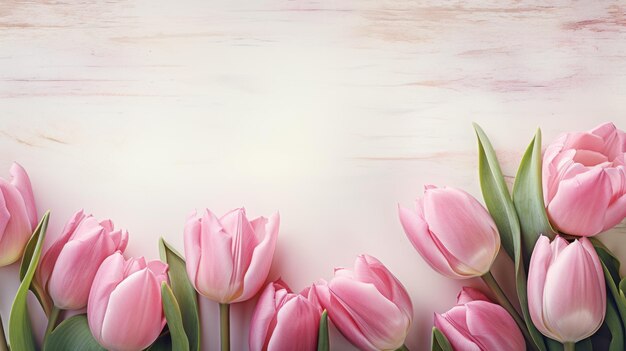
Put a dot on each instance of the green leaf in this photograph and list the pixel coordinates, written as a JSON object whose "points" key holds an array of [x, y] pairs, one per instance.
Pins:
{"points": [[174, 319], [184, 292], [610, 266], [44, 299], [496, 193], [439, 341], [21, 335], [72, 334], [616, 328], [501, 208], [323, 342], [528, 199]]}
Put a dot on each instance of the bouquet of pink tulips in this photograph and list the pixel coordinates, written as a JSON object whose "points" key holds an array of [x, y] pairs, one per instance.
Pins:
{"points": [[568, 291]]}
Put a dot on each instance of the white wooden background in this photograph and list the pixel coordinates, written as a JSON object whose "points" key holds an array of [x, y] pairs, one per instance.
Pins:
{"points": [[330, 111]]}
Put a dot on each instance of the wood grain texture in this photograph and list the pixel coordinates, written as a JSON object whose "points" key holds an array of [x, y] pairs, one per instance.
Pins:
{"points": [[330, 111]]}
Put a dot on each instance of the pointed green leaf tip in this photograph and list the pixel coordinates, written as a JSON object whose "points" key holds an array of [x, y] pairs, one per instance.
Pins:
{"points": [[439, 341], [528, 199], [323, 343], [21, 332], [500, 205], [174, 319], [72, 334], [184, 293]]}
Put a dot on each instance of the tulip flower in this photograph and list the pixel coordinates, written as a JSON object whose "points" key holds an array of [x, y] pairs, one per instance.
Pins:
{"points": [[566, 291], [18, 215], [124, 310], [368, 305], [453, 232], [285, 321], [584, 180], [69, 265], [228, 259], [476, 323]]}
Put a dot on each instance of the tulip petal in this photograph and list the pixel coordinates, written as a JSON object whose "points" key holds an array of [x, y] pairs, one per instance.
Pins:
{"points": [[193, 251], [5, 216], [464, 228], [492, 327], [134, 317], [18, 228], [580, 202], [110, 274], [576, 314], [215, 267], [296, 327], [456, 335], [418, 233], [468, 294], [75, 269], [261, 260], [21, 181], [263, 315], [383, 323], [368, 269], [50, 255]]}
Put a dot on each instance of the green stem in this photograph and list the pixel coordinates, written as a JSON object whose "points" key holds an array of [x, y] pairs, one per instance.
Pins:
{"points": [[569, 346], [3, 340], [52, 321], [507, 305], [225, 326]]}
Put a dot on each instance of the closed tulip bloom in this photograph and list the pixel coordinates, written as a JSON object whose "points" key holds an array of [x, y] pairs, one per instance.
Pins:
{"points": [[584, 180], [368, 305], [18, 215], [284, 321], [228, 258], [125, 311], [452, 231], [69, 265], [477, 324], [566, 291]]}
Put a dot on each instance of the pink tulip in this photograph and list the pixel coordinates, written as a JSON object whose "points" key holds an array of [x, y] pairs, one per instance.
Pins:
{"points": [[370, 307], [18, 215], [125, 311], [228, 259], [69, 265], [284, 321], [453, 232], [476, 323], [566, 291], [584, 180]]}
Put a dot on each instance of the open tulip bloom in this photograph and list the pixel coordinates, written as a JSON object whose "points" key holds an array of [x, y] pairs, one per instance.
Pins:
{"points": [[567, 285]]}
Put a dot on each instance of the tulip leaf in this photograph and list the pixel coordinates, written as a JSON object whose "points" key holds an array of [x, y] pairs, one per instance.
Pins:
{"points": [[44, 299], [323, 342], [174, 319], [72, 334], [184, 293], [439, 341], [496, 193], [610, 266], [502, 209], [528, 199], [21, 332], [615, 326]]}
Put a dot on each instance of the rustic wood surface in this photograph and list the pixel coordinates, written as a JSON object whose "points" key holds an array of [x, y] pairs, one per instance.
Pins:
{"points": [[330, 111]]}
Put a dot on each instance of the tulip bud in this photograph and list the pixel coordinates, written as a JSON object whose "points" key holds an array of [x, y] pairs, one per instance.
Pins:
{"points": [[584, 180], [69, 265], [228, 259], [453, 232], [124, 310], [566, 291], [476, 323], [368, 305], [18, 215], [284, 321]]}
